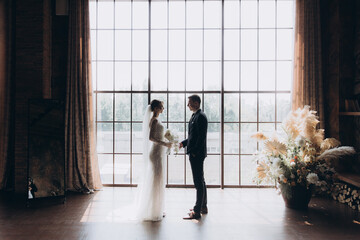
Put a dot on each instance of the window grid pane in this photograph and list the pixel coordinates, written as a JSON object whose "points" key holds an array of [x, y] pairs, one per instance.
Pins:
{"points": [[181, 54]]}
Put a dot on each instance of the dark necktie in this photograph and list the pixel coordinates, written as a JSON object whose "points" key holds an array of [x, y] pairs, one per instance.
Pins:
{"points": [[192, 116]]}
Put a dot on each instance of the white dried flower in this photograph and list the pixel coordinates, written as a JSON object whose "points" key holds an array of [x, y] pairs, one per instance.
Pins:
{"points": [[312, 178], [307, 159], [276, 162], [282, 177]]}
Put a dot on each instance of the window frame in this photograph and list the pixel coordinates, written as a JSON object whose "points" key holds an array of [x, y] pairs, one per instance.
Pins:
{"points": [[222, 91]]}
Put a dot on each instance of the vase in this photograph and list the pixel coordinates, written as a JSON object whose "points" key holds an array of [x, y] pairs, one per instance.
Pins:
{"points": [[298, 197]]}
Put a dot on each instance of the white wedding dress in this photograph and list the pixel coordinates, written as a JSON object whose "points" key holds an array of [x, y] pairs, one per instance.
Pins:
{"points": [[151, 190]]}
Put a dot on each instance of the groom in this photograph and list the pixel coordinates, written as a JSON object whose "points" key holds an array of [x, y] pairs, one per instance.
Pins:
{"points": [[196, 149]]}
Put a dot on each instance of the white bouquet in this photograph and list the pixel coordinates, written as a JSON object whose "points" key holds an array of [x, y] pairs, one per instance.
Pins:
{"points": [[174, 139]]}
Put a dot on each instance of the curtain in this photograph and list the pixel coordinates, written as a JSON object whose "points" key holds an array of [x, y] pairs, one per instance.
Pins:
{"points": [[5, 59], [308, 83], [81, 158]]}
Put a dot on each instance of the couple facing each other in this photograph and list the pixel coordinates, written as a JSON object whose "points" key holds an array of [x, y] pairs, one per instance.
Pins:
{"points": [[150, 199]]}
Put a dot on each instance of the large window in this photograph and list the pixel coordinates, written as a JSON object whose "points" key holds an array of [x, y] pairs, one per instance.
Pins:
{"points": [[236, 54]]}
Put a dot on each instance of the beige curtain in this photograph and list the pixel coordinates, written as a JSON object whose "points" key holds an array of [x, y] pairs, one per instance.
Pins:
{"points": [[81, 159], [308, 84], [5, 60]]}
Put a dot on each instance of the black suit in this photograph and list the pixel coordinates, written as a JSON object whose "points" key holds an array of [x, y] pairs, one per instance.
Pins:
{"points": [[196, 149]]}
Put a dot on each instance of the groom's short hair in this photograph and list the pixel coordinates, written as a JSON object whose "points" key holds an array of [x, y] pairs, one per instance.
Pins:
{"points": [[195, 98]]}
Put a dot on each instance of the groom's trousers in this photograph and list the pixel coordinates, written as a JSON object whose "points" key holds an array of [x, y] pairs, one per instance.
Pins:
{"points": [[197, 167]]}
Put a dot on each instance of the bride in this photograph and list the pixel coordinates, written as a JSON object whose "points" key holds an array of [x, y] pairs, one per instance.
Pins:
{"points": [[150, 199]]}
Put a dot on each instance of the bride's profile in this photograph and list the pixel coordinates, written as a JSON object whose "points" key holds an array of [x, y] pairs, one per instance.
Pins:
{"points": [[151, 189]]}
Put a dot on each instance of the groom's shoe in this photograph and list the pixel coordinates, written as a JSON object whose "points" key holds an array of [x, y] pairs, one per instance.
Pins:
{"points": [[203, 210], [192, 215]]}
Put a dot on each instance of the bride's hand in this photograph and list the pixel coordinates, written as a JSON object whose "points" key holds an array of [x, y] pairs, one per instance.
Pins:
{"points": [[168, 144]]}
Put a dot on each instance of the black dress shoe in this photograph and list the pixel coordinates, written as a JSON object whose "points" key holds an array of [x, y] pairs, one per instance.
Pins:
{"points": [[192, 215]]}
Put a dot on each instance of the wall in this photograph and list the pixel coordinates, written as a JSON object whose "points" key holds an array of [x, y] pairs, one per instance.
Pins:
{"points": [[29, 76], [36, 44], [340, 33], [5, 84]]}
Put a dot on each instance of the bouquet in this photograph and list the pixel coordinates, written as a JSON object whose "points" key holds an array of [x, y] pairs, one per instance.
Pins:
{"points": [[302, 157], [174, 139]]}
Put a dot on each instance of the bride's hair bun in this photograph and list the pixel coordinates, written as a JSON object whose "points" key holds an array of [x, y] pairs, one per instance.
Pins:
{"points": [[154, 104]]}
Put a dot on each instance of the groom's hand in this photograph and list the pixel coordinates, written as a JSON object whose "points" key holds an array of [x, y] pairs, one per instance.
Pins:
{"points": [[181, 145]]}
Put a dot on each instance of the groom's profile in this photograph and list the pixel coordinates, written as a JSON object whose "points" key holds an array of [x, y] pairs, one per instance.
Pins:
{"points": [[196, 149]]}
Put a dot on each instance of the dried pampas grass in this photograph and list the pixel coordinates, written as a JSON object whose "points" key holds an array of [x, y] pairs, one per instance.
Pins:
{"points": [[336, 153], [302, 122], [259, 136], [291, 126], [275, 147], [262, 170], [292, 130], [318, 138], [309, 125], [329, 143]]}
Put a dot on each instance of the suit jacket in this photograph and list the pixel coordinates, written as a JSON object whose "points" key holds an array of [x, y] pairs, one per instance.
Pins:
{"points": [[196, 142]]}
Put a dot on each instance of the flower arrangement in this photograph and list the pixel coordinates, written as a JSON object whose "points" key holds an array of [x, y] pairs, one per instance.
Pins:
{"points": [[174, 139], [300, 158]]}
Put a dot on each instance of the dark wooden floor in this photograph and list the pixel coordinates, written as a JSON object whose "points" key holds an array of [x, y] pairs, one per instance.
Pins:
{"points": [[233, 214]]}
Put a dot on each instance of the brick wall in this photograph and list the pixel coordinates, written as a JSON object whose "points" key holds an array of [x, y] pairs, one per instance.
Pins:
{"points": [[29, 60], [34, 67]]}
